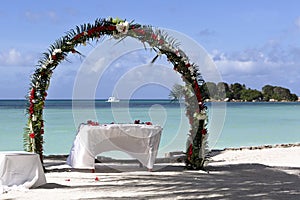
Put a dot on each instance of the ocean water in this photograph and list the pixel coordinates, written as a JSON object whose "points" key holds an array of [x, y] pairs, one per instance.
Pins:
{"points": [[245, 124]]}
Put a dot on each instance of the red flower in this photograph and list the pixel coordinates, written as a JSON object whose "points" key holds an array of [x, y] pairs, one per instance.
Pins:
{"points": [[96, 179], [148, 123], [137, 121], [197, 91], [31, 109], [154, 37], [132, 27], [78, 36], [91, 123], [99, 28], [32, 135], [161, 41], [190, 152], [53, 57], [32, 92], [140, 31], [111, 28], [203, 131], [91, 31]]}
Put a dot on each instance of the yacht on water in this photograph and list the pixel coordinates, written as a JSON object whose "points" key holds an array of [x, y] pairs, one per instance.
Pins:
{"points": [[112, 100]]}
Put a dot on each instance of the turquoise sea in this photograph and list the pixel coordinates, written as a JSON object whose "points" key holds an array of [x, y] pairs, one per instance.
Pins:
{"points": [[245, 124]]}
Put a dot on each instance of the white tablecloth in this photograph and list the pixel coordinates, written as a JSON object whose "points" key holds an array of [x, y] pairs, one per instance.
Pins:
{"points": [[137, 140], [20, 169]]}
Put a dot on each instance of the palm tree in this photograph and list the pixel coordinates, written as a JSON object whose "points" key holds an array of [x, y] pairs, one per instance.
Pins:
{"points": [[177, 92]]}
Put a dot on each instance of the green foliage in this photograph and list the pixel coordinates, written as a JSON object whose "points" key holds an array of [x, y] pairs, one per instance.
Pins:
{"points": [[251, 95], [278, 93], [236, 90], [177, 92], [239, 92]]}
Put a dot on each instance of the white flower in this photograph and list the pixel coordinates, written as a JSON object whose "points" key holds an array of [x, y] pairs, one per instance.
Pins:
{"points": [[34, 118], [199, 116], [169, 46], [85, 33], [158, 37], [177, 52], [49, 61], [122, 27], [191, 70], [55, 51]]}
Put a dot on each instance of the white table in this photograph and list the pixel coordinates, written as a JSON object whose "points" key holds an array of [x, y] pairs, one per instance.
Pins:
{"points": [[140, 141], [20, 169]]}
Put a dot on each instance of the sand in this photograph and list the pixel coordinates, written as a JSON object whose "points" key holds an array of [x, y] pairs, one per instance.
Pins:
{"points": [[256, 173]]}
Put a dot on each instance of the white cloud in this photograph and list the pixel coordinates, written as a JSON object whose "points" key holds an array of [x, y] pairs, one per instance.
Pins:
{"points": [[271, 64], [206, 32], [297, 22], [31, 16], [52, 15], [234, 66], [143, 75], [13, 57], [98, 65], [37, 16], [270, 55]]}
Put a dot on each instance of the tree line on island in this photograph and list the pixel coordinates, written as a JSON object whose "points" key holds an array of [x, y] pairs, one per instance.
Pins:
{"points": [[237, 92]]}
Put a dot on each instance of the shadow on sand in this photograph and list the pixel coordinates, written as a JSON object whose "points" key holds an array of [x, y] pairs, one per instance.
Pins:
{"points": [[242, 181]]}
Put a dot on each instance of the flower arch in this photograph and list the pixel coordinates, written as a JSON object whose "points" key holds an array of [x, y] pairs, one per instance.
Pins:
{"points": [[159, 41]]}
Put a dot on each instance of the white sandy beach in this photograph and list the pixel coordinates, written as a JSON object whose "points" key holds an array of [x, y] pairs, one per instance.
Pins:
{"points": [[257, 173]]}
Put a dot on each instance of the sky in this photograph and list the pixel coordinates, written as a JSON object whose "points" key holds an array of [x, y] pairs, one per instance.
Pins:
{"points": [[253, 42]]}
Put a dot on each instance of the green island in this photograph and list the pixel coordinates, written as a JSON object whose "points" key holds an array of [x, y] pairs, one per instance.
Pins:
{"points": [[238, 92]]}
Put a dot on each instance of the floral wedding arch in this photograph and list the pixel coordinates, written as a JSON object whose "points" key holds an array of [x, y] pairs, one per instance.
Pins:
{"points": [[159, 41]]}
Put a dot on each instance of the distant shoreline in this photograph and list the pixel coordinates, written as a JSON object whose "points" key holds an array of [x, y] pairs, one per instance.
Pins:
{"points": [[241, 101], [214, 101], [264, 146]]}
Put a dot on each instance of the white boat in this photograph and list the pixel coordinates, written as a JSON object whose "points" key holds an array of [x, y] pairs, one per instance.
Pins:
{"points": [[112, 100]]}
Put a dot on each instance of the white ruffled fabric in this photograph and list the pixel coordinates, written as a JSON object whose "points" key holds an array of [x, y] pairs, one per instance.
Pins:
{"points": [[20, 171], [137, 140]]}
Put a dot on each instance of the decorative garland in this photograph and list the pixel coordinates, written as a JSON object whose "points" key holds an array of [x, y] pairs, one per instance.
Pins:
{"points": [[160, 42]]}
